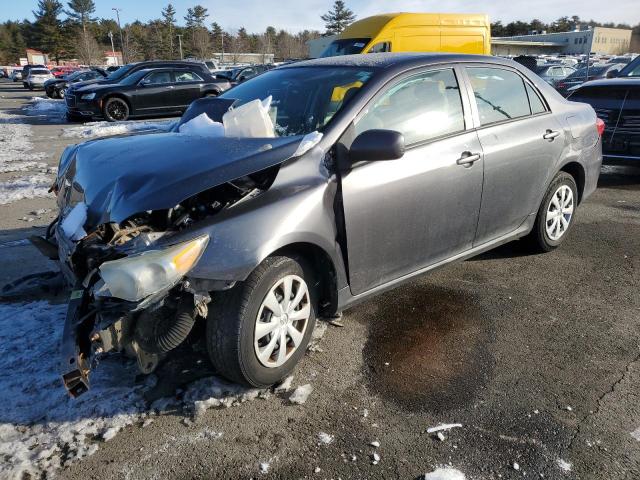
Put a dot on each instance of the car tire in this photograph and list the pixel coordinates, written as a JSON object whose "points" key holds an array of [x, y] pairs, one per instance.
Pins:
{"points": [[58, 93], [115, 110], [242, 353], [556, 214]]}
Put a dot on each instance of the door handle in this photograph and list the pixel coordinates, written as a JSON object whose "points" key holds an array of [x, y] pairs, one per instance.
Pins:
{"points": [[550, 135], [467, 159]]}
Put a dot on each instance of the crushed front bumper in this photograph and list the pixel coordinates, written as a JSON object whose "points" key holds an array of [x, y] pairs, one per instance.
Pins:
{"points": [[75, 349]]}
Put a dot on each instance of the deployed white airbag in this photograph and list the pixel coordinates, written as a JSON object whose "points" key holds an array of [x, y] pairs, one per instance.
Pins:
{"points": [[202, 126], [249, 120]]}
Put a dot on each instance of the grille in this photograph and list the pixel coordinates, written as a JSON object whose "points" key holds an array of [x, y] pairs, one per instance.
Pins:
{"points": [[629, 124]]}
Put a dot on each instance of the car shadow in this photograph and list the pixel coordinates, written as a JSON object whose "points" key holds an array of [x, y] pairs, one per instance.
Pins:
{"points": [[620, 177]]}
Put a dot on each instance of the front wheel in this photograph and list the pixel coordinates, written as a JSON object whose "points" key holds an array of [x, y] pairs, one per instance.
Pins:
{"points": [[115, 110], [556, 213], [261, 328]]}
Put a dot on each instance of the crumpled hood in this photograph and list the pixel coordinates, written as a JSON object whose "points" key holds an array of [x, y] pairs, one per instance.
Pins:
{"points": [[121, 176]]}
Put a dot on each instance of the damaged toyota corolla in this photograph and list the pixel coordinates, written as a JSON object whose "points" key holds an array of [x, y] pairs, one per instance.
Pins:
{"points": [[302, 192]]}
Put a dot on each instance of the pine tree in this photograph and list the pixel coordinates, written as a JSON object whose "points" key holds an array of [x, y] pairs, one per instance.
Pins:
{"points": [[336, 20], [196, 16], [218, 34], [48, 28], [80, 11], [169, 18]]}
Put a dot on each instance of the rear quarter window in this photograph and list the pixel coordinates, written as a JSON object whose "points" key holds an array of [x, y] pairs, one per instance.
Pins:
{"points": [[500, 94]]}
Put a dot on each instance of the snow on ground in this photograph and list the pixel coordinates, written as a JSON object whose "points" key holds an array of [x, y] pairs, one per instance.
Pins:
{"points": [[105, 129], [30, 186], [17, 155], [48, 107], [564, 465], [636, 434], [446, 473], [42, 428]]}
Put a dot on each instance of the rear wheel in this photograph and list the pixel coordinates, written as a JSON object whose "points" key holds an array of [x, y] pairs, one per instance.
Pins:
{"points": [[261, 328], [60, 93], [556, 213], [115, 109]]}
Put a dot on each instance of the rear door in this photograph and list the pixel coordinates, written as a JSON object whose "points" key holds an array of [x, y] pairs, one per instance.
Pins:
{"points": [[188, 86], [521, 140], [406, 214]]}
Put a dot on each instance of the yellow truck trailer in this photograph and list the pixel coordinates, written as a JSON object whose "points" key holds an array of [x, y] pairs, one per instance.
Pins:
{"points": [[415, 32]]}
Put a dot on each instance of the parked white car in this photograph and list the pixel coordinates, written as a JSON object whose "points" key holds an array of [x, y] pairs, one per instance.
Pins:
{"points": [[16, 75], [37, 77]]}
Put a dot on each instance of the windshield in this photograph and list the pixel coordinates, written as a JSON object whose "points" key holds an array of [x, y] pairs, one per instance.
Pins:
{"points": [[74, 75], [632, 69], [582, 72], [348, 46], [305, 99], [119, 73]]}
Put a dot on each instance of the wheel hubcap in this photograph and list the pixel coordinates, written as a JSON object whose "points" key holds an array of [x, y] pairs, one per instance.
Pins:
{"points": [[282, 320], [559, 212], [116, 110]]}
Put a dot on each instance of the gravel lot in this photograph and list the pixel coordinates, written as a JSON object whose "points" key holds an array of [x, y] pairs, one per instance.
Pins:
{"points": [[536, 356]]}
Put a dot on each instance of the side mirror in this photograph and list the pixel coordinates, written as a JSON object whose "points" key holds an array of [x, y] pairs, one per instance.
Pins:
{"points": [[375, 145], [612, 73], [241, 79]]}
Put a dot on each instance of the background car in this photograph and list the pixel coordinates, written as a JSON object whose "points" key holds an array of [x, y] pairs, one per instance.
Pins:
{"points": [[629, 71], [56, 88], [25, 73], [16, 75], [147, 92], [241, 74], [552, 73], [617, 103], [131, 68], [37, 77], [583, 74]]}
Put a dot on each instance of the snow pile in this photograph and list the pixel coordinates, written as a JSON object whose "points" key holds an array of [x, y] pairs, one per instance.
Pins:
{"points": [[213, 392], [636, 434], [300, 394], [325, 438], [443, 426], [41, 427], [446, 473], [46, 106], [31, 186], [564, 465], [106, 129]]}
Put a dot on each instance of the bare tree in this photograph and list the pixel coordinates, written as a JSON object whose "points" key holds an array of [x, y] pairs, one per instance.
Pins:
{"points": [[89, 52], [201, 43]]}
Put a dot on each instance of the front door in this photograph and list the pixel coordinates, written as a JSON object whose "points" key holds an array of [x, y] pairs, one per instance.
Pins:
{"points": [[155, 93], [521, 140], [403, 215]]}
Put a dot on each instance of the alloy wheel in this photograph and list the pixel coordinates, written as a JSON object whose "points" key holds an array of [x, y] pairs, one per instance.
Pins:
{"points": [[117, 110], [282, 320], [559, 212]]}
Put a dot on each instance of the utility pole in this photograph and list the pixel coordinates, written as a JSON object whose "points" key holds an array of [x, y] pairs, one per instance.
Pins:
{"points": [[180, 44], [113, 50], [222, 43], [124, 57]]}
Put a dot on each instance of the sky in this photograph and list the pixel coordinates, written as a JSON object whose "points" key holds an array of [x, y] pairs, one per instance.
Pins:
{"points": [[296, 15]]}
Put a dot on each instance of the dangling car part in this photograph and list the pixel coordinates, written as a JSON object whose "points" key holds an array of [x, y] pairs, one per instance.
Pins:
{"points": [[380, 168]]}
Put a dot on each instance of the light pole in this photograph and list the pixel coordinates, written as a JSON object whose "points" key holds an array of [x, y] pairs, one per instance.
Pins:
{"points": [[124, 57], [222, 43], [113, 50], [180, 44]]}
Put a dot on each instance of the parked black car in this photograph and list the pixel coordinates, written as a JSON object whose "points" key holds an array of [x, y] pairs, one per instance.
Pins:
{"points": [[581, 75], [56, 87], [131, 68], [617, 103], [148, 92], [241, 74]]}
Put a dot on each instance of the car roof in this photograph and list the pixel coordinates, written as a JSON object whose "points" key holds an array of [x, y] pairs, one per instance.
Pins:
{"points": [[397, 60]]}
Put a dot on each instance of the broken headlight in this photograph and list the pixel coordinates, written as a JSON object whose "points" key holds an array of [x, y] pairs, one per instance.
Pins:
{"points": [[135, 277]]}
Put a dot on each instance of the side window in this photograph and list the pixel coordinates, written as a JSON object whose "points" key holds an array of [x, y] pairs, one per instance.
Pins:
{"points": [[500, 94], [182, 76], [380, 47], [157, 78], [421, 107], [535, 102]]}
